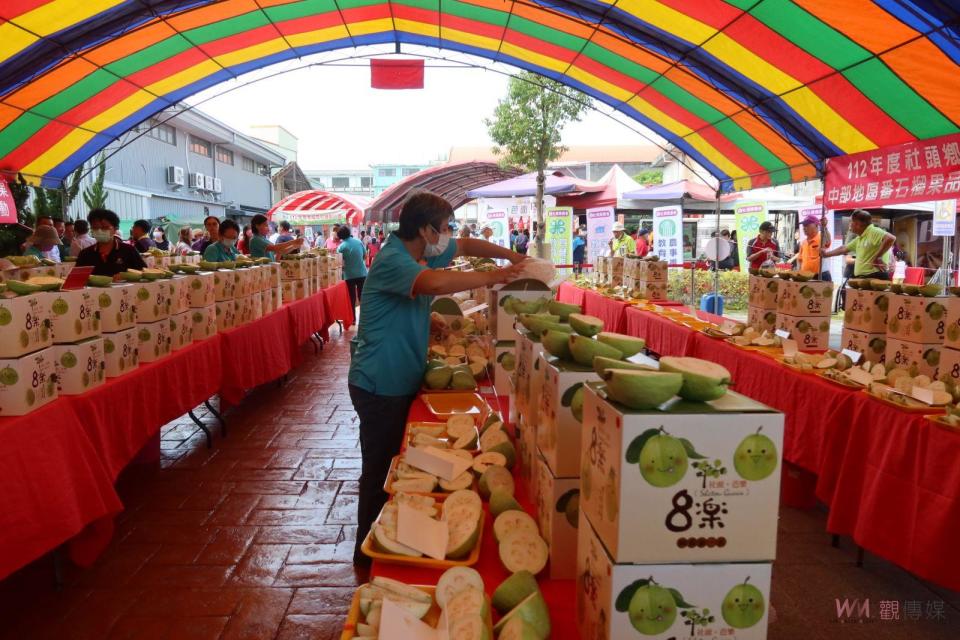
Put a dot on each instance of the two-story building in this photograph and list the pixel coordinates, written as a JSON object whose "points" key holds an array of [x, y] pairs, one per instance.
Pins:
{"points": [[183, 165], [385, 175], [357, 182]]}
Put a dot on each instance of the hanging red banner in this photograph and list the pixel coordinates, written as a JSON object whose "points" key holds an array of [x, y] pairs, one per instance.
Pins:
{"points": [[404, 73], [913, 172], [8, 208]]}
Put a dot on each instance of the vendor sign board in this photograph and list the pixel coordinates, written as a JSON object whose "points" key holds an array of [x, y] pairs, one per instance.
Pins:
{"points": [[496, 219], [944, 218], [599, 232], [668, 234], [916, 171], [748, 216], [559, 234]]}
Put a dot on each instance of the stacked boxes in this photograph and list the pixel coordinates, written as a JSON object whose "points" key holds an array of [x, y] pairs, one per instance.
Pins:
{"points": [[27, 366], [645, 279], [916, 327], [950, 356], [78, 348], [686, 495], [762, 303], [153, 303], [803, 311], [865, 323], [80, 366], [121, 352], [118, 318]]}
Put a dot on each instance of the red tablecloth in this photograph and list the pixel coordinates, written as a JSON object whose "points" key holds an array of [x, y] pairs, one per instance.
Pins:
{"points": [[611, 311], [254, 354], [307, 317], [54, 484], [337, 305], [559, 594], [121, 415], [570, 293], [663, 336]]}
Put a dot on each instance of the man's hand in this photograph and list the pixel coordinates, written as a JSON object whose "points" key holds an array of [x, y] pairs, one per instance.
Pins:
{"points": [[517, 258]]}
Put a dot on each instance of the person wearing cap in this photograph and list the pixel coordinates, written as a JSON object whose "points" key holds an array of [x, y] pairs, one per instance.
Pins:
{"points": [[808, 257], [643, 241], [871, 246], [44, 243], [763, 249], [487, 232], [622, 244]]}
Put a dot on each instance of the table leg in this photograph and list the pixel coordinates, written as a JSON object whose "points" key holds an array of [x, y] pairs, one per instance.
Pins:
{"points": [[859, 556], [340, 324], [58, 568], [203, 428], [835, 542], [216, 414]]}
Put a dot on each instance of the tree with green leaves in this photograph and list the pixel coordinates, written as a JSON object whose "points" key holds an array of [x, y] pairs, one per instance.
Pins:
{"points": [[95, 196], [526, 126], [55, 203], [649, 177]]}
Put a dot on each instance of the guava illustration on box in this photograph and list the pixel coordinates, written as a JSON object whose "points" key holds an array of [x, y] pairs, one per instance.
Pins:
{"points": [[756, 457], [569, 506], [652, 607], [573, 398], [743, 606], [663, 459], [666, 228]]}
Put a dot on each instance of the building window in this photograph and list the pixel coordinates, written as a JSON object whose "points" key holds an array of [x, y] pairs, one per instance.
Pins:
{"points": [[409, 171], [366, 182], [200, 146], [162, 132], [248, 164], [224, 156], [341, 182], [386, 172], [262, 169]]}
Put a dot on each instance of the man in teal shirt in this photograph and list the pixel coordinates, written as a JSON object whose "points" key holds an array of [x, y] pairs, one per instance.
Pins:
{"points": [[354, 269], [394, 330], [871, 246]]}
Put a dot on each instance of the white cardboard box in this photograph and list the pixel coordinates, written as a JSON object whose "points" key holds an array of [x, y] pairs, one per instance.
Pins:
{"points": [[810, 332], [75, 315], [293, 269], [179, 294], [117, 310], [529, 375], [152, 301], [951, 333], [650, 504], [558, 428], [153, 340], [200, 289], [204, 322], [80, 367], [558, 513], [922, 358], [762, 292], [181, 330], [808, 299], [25, 325], [866, 310], [917, 318], [256, 306], [121, 352], [606, 592], [871, 346], [226, 315], [950, 365], [224, 285], [526, 443], [505, 365], [27, 383], [762, 319], [647, 290]]}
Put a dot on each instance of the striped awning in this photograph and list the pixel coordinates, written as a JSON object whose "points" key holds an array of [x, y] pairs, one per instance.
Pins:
{"points": [[317, 207], [759, 92]]}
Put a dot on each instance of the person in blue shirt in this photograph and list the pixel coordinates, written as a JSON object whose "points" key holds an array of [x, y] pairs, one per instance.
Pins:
{"points": [[225, 248], [393, 335], [354, 269], [579, 250], [261, 247]]}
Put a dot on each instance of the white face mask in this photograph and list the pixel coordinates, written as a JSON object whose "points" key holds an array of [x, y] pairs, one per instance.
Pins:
{"points": [[102, 236], [228, 242], [158, 235], [434, 250]]}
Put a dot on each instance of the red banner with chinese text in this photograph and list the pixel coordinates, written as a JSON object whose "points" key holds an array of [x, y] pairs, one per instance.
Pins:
{"points": [[8, 208], [913, 172], [404, 73]]}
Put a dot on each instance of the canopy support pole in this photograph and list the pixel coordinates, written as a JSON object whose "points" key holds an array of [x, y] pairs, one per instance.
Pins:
{"points": [[716, 261], [823, 229]]}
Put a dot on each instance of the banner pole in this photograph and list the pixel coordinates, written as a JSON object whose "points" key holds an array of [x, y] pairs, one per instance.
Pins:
{"points": [[716, 261]]}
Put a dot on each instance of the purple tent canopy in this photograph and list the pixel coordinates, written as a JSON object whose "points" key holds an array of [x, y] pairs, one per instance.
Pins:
{"points": [[680, 190], [526, 185]]}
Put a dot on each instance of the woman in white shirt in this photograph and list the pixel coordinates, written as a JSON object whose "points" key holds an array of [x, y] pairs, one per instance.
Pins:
{"points": [[183, 246]]}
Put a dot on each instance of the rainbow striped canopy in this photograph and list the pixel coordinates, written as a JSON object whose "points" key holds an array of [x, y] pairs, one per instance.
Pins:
{"points": [[759, 92]]}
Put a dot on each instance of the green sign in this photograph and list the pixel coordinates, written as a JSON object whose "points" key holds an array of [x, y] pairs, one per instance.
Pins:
{"points": [[748, 216], [559, 233]]}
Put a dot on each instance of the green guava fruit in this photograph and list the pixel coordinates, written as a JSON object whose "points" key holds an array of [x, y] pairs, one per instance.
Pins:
{"points": [[652, 610], [508, 361], [743, 606], [585, 325], [68, 360], [755, 457], [108, 345], [663, 460], [702, 380], [143, 294]]}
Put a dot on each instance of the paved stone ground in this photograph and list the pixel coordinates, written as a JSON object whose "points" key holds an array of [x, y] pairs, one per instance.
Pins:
{"points": [[252, 539]]}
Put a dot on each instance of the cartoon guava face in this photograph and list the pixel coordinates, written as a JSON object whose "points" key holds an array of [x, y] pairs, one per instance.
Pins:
{"points": [[663, 461], [756, 457], [652, 610], [744, 606]]}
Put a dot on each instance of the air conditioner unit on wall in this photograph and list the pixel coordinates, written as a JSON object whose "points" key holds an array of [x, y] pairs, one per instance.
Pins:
{"points": [[197, 181], [209, 183], [217, 185], [175, 175]]}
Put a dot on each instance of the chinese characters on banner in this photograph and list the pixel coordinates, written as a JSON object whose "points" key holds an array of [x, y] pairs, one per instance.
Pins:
{"points": [[8, 208], [944, 217], [559, 234], [912, 172], [497, 221], [668, 234], [599, 232], [748, 216]]}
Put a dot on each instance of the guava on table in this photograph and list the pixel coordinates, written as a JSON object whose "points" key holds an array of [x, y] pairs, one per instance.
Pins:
{"points": [[743, 606], [755, 457]]}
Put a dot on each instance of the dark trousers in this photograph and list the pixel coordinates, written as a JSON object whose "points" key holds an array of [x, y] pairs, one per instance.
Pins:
{"points": [[876, 275], [382, 423], [355, 287], [826, 277]]}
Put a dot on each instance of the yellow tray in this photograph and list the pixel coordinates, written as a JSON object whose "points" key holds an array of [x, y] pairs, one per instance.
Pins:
{"points": [[445, 405], [430, 563], [849, 384], [436, 495], [353, 616], [915, 406]]}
